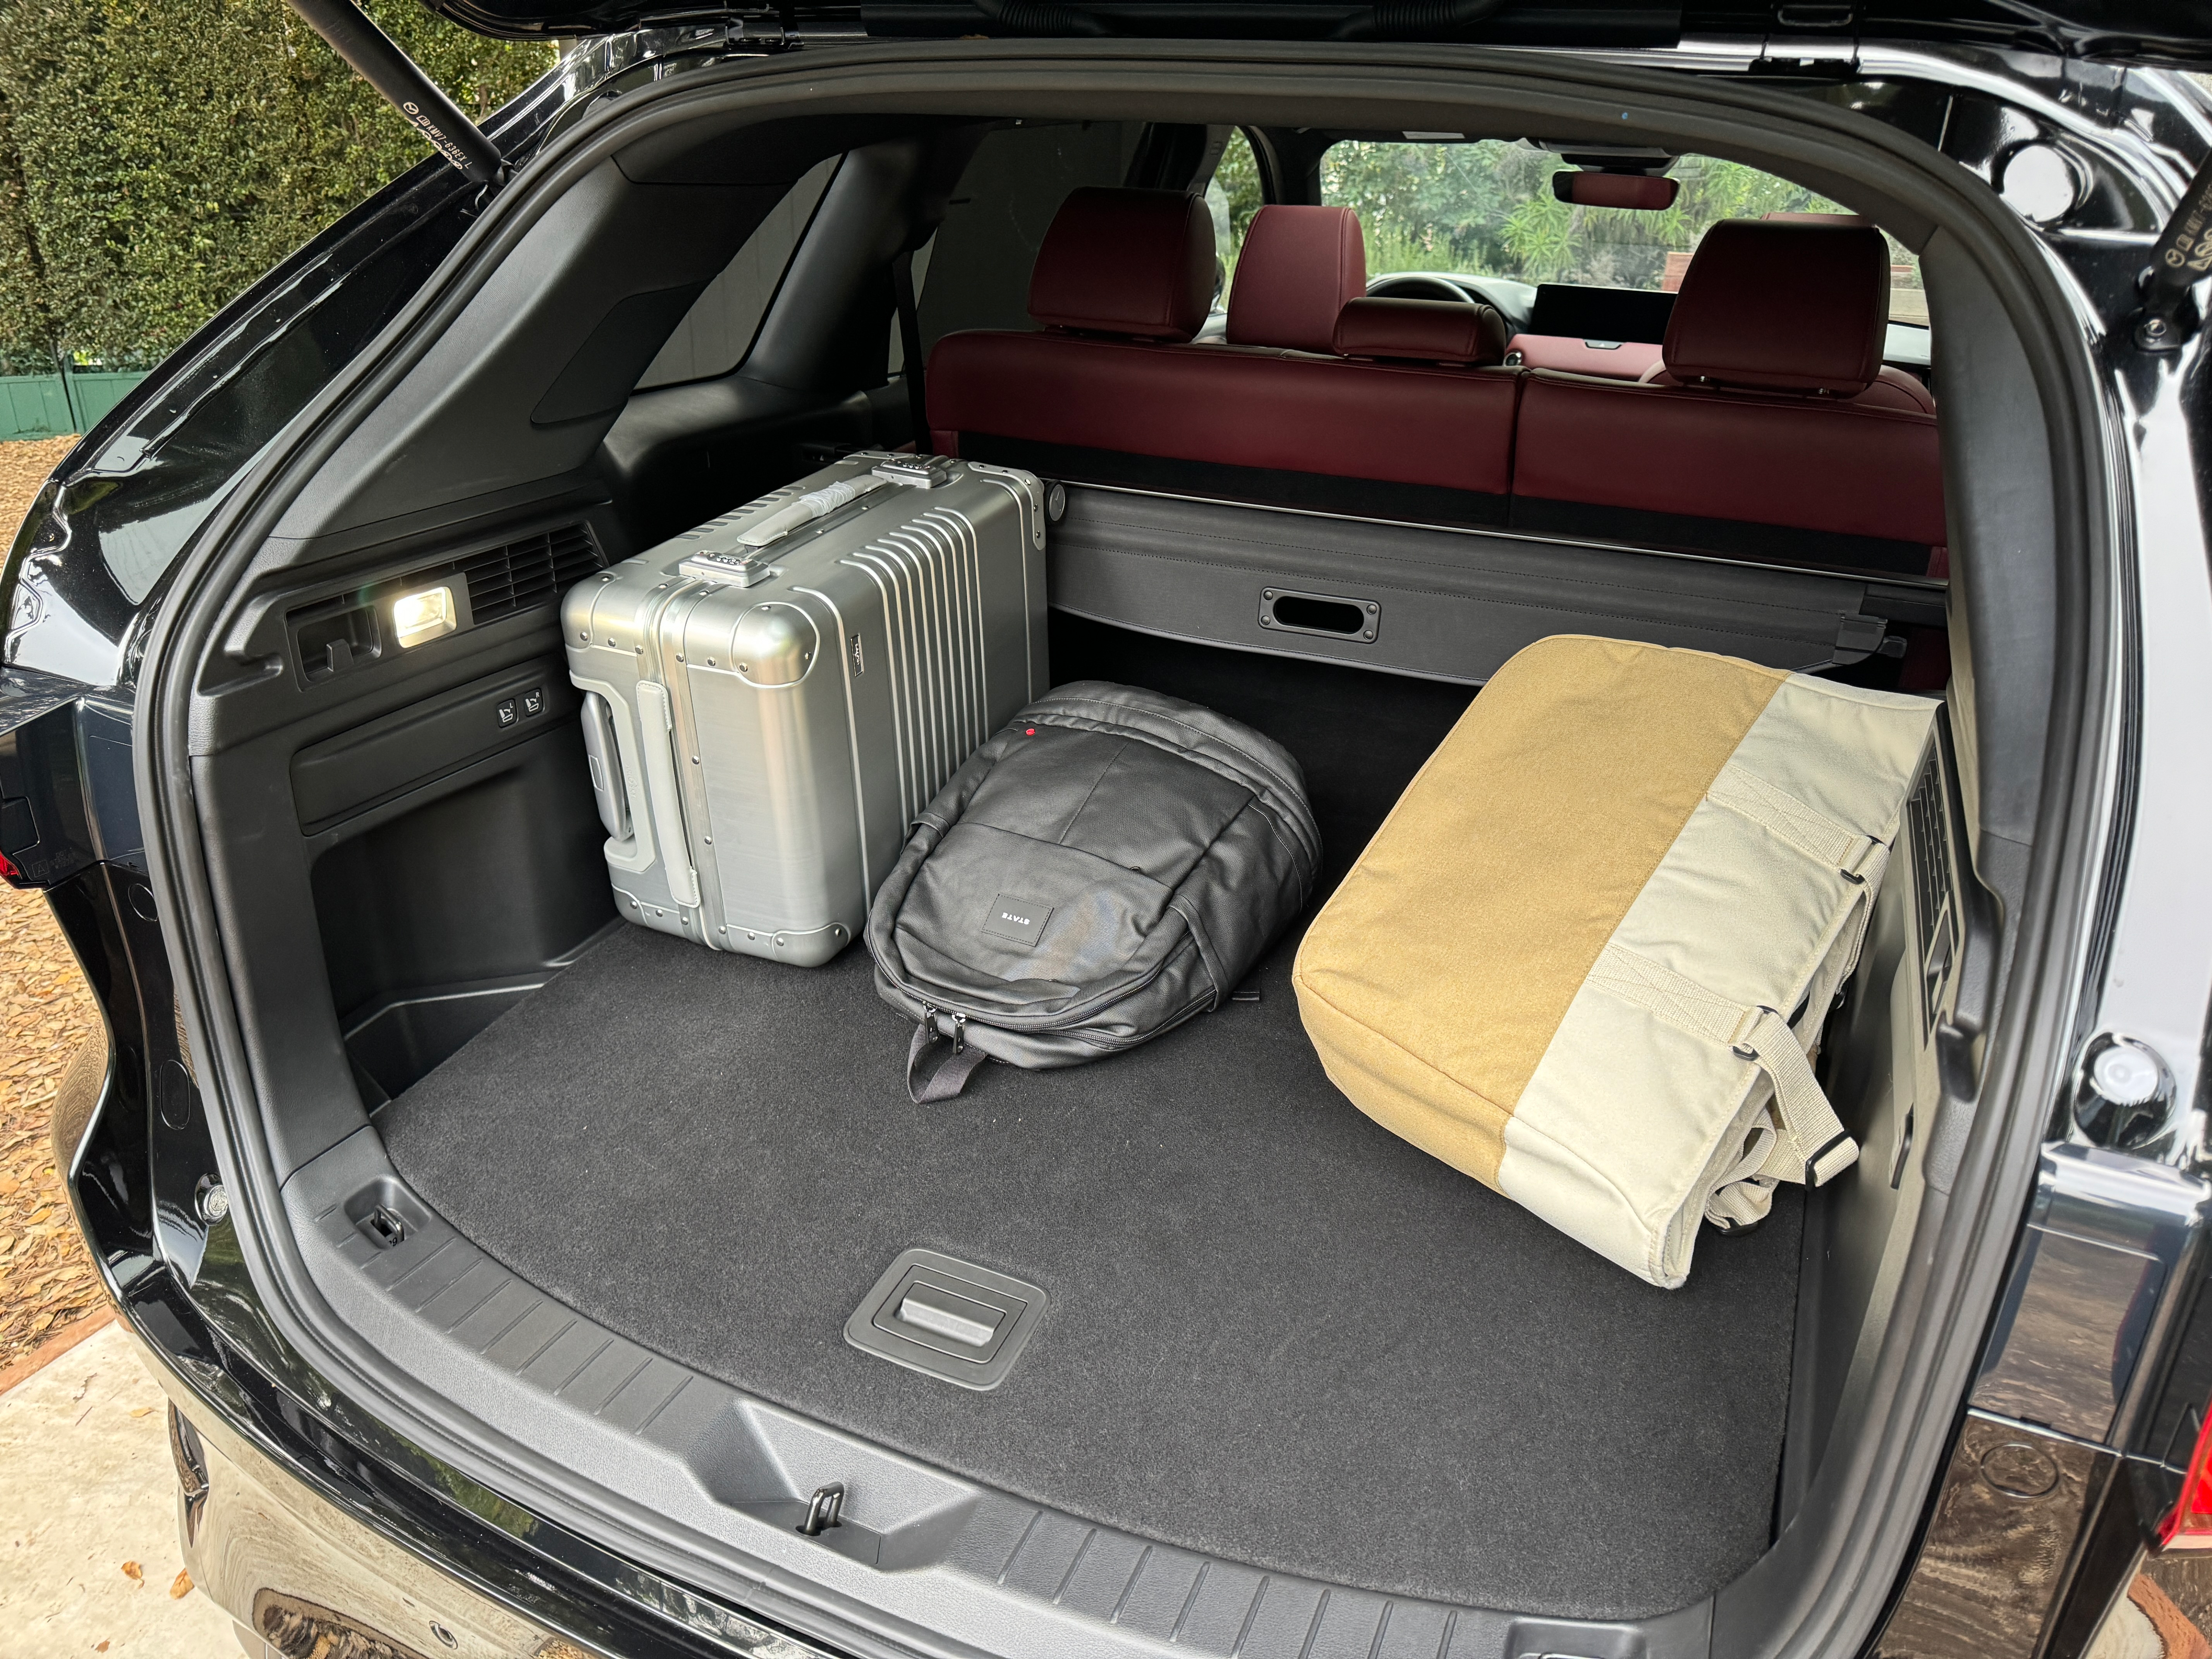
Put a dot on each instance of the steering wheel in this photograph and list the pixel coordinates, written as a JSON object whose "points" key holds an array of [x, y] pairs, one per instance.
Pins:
{"points": [[1421, 288]]}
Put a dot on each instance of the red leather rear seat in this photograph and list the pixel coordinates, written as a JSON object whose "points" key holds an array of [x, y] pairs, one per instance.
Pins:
{"points": [[1108, 392], [1772, 432]]}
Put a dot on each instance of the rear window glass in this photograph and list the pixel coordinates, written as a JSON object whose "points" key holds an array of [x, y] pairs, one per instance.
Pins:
{"points": [[1485, 209]]}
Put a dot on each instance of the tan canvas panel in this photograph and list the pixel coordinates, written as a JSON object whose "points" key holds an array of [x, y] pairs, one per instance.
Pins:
{"points": [[1566, 962], [1502, 871]]}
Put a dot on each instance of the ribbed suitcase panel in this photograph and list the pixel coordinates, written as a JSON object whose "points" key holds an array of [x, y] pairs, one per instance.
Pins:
{"points": [[928, 573], [796, 794]]}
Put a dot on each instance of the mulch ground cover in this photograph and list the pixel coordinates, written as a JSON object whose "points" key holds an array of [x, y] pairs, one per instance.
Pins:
{"points": [[48, 1286]]}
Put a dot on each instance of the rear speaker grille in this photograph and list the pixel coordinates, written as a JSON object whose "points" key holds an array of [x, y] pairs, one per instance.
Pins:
{"points": [[504, 581]]}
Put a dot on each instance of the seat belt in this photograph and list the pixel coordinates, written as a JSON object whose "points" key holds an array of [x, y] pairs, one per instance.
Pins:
{"points": [[909, 322]]}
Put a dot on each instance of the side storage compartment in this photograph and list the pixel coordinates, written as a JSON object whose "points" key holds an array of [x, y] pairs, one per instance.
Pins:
{"points": [[453, 858]]}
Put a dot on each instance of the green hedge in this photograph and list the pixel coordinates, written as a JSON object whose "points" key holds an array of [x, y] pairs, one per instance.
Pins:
{"points": [[157, 155]]}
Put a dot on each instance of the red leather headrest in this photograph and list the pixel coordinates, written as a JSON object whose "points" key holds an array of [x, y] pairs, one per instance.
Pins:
{"points": [[1420, 330], [1298, 267], [1783, 306], [1138, 263]]}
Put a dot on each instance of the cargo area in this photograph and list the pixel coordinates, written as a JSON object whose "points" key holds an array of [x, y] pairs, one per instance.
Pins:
{"points": [[1277, 1334], [1280, 1344]]}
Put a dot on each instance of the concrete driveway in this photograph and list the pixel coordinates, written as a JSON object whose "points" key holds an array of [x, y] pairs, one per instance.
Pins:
{"points": [[88, 1517]]}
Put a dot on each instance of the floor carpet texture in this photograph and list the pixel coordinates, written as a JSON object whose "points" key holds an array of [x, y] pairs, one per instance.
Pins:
{"points": [[1276, 1334]]}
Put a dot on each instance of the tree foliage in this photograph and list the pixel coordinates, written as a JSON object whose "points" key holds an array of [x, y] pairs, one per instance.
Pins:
{"points": [[1487, 208], [158, 155]]}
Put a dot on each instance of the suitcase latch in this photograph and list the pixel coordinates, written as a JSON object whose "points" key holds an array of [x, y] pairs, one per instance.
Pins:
{"points": [[917, 471], [739, 569]]}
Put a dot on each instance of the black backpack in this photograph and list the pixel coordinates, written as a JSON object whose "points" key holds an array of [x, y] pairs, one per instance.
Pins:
{"points": [[1111, 863]]}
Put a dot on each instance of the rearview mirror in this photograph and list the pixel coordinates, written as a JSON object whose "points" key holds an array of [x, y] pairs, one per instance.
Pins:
{"points": [[1616, 190]]}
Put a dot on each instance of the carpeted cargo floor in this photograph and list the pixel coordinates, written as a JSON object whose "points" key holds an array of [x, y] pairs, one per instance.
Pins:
{"points": [[1277, 1334]]}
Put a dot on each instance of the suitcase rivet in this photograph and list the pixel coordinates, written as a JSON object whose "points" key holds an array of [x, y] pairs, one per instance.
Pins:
{"points": [[1373, 609], [710, 662], [695, 760], [710, 841]]}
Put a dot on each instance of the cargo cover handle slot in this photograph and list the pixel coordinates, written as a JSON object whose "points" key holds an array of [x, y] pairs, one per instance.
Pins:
{"points": [[1332, 615]]}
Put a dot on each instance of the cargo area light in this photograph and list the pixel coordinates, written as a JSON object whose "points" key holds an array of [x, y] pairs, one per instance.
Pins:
{"points": [[425, 614]]}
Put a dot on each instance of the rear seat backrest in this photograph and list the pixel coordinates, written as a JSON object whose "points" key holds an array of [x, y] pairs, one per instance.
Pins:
{"points": [[1770, 432], [1107, 393], [1298, 267]]}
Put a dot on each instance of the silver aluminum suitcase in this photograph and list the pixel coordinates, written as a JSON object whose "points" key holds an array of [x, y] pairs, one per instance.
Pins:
{"points": [[773, 697]]}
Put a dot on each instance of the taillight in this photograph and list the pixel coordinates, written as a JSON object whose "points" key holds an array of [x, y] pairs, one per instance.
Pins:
{"points": [[2190, 1526], [9, 873]]}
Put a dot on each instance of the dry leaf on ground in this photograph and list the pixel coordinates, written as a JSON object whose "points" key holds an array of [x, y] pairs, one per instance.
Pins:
{"points": [[181, 1586], [23, 468], [46, 1278], [134, 1573]]}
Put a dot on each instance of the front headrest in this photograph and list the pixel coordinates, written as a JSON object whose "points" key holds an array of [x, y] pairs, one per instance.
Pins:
{"points": [[1420, 330], [1298, 267], [1138, 263], [1783, 306]]}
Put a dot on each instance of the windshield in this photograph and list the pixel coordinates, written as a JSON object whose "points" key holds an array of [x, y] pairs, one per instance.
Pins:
{"points": [[1485, 209]]}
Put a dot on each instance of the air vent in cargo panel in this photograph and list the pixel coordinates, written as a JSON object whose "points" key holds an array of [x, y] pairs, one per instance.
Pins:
{"points": [[524, 575], [1929, 828]]}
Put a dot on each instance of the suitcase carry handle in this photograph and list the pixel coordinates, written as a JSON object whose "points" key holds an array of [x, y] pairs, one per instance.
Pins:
{"points": [[609, 786], [659, 728]]}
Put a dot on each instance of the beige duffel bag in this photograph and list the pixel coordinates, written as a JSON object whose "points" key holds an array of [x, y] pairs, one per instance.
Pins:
{"points": [[1570, 961]]}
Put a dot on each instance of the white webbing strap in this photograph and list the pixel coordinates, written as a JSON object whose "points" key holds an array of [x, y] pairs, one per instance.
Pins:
{"points": [[1818, 836], [1807, 1140]]}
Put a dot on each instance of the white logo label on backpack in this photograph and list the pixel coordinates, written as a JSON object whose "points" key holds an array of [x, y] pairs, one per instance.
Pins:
{"points": [[1017, 918]]}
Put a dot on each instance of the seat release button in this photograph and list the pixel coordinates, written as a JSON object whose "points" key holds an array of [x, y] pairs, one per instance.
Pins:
{"points": [[954, 1317]]}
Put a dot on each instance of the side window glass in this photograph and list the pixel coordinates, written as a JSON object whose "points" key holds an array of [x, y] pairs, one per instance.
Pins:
{"points": [[1233, 195], [718, 330]]}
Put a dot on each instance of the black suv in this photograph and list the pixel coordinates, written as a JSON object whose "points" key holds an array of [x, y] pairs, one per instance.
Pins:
{"points": [[500, 1285]]}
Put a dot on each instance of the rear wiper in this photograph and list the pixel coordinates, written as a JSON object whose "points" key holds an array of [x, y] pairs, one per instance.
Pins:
{"points": [[380, 63]]}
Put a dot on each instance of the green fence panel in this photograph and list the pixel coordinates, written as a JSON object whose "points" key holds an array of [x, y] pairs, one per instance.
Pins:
{"points": [[33, 406], [39, 406]]}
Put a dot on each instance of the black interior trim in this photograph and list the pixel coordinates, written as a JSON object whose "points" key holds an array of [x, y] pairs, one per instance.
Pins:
{"points": [[1733, 538]]}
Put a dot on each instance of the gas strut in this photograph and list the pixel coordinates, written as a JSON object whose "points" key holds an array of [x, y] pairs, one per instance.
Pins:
{"points": [[401, 79], [2183, 257]]}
